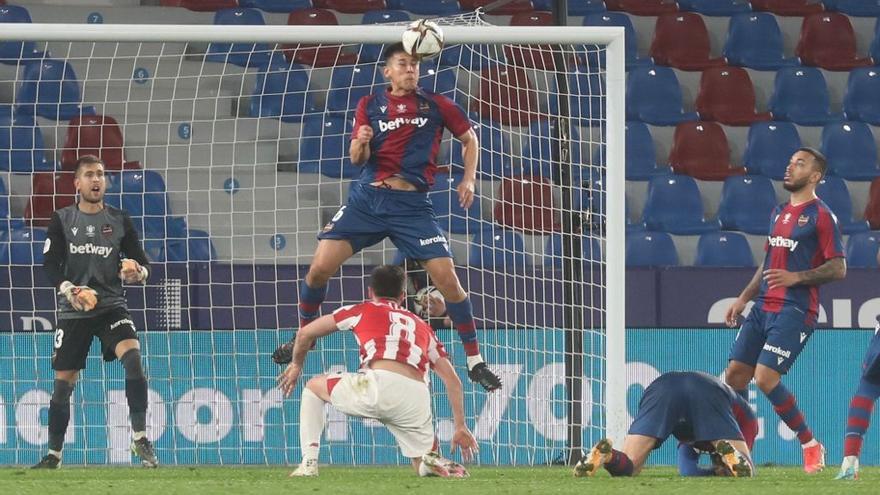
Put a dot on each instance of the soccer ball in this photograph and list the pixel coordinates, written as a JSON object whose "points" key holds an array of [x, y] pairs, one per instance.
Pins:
{"points": [[422, 309], [423, 39]]}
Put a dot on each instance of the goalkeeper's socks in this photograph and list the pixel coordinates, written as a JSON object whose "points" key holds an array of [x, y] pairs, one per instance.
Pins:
{"points": [[620, 464], [462, 316], [59, 414], [859, 417], [786, 407], [310, 299]]}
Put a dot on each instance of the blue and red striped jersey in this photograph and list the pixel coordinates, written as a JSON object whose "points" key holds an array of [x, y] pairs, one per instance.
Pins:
{"points": [[406, 134], [801, 238]]}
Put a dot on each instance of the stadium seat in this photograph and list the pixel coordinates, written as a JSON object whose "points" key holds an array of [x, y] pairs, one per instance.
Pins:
{"points": [[323, 147], [654, 96], [541, 57], [202, 5], [641, 156], [872, 209], [11, 52], [4, 206], [50, 89], [833, 191], [649, 249], [721, 249], [97, 135], [874, 50], [143, 194], [727, 96], [26, 246], [754, 40], [495, 151], [351, 6], [314, 55], [240, 54], [426, 7], [801, 96], [281, 91], [450, 215], [21, 144], [526, 203], [471, 57], [673, 205], [715, 7], [49, 192], [542, 144], [642, 7], [510, 8], [583, 7], [700, 150], [681, 40], [587, 100], [282, 6], [611, 19], [438, 80], [498, 248], [196, 247], [788, 7], [769, 148], [506, 95], [857, 8], [861, 250], [373, 52], [862, 100], [851, 150], [746, 204], [348, 84], [591, 250], [828, 41]]}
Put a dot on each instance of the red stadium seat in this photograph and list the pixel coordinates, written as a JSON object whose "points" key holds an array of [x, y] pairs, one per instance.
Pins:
{"points": [[540, 57], [788, 7], [526, 203], [643, 7], [727, 96], [700, 150], [324, 56], [95, 135], [872, 210], [201, 5], [681, 40], [50, 191], [828, 41], [351, 6], [506, 96], [514, 7]]}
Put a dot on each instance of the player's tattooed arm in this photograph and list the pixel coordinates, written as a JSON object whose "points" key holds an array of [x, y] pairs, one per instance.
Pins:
{"points": [[751, 289], [833, 269]]}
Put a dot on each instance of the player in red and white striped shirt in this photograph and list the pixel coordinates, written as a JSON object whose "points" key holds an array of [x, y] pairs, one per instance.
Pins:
{"points": [[396, 350]]}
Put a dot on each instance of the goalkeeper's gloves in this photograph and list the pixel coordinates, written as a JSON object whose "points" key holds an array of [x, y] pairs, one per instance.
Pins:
{"points": [[132, 272], [81, 298]]}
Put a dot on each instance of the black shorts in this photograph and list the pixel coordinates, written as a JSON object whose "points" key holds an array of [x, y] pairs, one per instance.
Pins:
{"points": [[73, 338]]}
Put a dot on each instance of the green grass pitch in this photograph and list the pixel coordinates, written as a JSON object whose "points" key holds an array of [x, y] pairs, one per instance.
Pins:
{"points": [[71, 480]]}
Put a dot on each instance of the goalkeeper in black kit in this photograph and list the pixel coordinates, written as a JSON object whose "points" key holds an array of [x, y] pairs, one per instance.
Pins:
{"points": [[90, 250]]}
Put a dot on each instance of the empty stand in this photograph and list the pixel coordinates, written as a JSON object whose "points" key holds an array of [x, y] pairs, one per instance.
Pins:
{"points": [[642, 7], [861, 250], [828, 41], [203, 5], [653, 95], [862, 100], [584, 7], [727, 96], [352, 6], [426, 7], [673, 205], [499, 248], [608, 19], [543, 144], [715, 7], [449, 213], [681, 40], [754, 40], [506, 95], [591, 249], [495, 150], [97, 135], [49, 192], [11, 52], [281, 6], [746, 204], [700, 150], [50, 89], [526, 203], [541, 57], [323, 147], [788, 7], [21, 144], [314, 55], [348, 84], [872, 209], [587, 97], [833, 191], [721, 249], [372, 53], [800, 95], [862, 8], [510, 8], [641, 156], [26, 246], [850, 150], [769, 148], [281, 91], [240, 54], [648, 249]]}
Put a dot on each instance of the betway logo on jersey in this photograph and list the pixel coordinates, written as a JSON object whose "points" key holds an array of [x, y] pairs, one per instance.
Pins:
{"points": [[779, 241], [89, 248], [401, 121]]}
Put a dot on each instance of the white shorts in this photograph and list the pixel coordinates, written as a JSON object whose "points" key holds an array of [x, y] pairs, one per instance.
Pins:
{"points": [[402, 404]]}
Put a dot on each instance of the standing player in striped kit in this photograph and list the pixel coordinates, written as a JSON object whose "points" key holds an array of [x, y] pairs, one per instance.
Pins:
{"points": [[396, 138], [804, 250]]}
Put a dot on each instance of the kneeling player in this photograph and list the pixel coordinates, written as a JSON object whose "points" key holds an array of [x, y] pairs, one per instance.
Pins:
{"points": [[396, 349], [697, 409]]}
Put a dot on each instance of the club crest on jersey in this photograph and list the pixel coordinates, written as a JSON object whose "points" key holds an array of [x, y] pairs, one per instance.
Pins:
{"points": [[803, 220], [106, 230], [786, 218], [90, 231]]}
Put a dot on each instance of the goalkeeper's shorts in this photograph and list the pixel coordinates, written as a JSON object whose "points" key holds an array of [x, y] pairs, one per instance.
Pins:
{"points": [[73, 338], [402, 404]]}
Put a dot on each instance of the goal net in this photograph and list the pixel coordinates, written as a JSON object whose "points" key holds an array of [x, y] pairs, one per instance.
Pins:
{"points": [[228, 146]]}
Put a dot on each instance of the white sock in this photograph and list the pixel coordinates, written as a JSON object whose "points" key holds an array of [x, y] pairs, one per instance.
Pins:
{"points": [[311, 424], [811, 443], [138, 435], [56, 453], [474, 360]]}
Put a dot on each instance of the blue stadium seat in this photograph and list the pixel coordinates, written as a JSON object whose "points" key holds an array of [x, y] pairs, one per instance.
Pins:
{"points": [[450, 215], [438, 80], [426, 7], [862, 100], [495, 150], [144, 197], [21, 144], [858, 8], [673, 205], [747, 202], [4, 205], [715, 7], [850, 150], [874, 50], [50, 89], [587, 100], [641, 156], [611, 19], [348, 84], [372, 52], [283, 6], [649, 249], [538, 152], [496, 247], [591, 250], [724, 249], [281, 91], [754, 40], [769, 148], [471, 57], [801, 96], [11, 52], [240, 54], [196, 247], [583, 7], [861, 250], [833, 191], [26, 246], [654, 96], [324, 146]]}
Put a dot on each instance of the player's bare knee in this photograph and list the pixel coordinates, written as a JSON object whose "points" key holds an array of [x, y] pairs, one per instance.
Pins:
{"points": [[318, 386], [738, 376], [766, 379]]}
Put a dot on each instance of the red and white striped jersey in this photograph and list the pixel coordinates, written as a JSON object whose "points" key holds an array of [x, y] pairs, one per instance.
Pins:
{"points": [[385, 330]]}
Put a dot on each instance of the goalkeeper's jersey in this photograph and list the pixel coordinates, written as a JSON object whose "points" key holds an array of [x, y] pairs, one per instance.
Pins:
{"points": [[87, 249]]}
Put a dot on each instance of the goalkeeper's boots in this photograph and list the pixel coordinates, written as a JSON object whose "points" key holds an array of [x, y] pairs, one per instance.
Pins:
{"points": [[598, 456], [849, 469], [735, 462], [144, 449], [49, 461], [308, 468], [434, 465], [481, 374], [814, 458]]}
